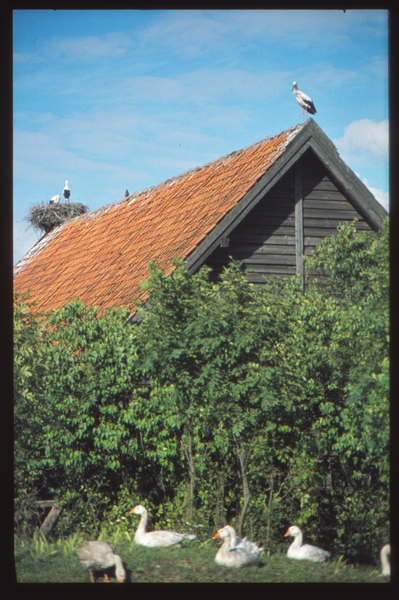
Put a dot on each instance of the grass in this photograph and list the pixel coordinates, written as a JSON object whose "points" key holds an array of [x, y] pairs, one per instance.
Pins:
{"points": [[41, 561]]}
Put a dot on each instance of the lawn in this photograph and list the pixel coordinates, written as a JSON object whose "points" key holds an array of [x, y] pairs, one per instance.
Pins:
{"points": [[40, 561]]}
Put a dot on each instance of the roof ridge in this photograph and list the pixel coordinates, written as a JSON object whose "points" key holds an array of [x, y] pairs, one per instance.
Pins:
{"points": [[147, 191], [221, 158], [181, 176]]}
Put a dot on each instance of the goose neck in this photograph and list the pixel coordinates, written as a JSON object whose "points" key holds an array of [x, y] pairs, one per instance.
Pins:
{"points": [[142, 525], [232, 538], [119, 569], [297, 543]]}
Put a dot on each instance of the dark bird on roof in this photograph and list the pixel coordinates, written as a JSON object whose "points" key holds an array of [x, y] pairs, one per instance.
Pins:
{"points": [[67, 191], [304, 101], [55, 199], [127, 194]]}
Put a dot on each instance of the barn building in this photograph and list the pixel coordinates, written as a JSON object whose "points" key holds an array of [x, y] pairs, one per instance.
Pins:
{"points": [[268, 204]]}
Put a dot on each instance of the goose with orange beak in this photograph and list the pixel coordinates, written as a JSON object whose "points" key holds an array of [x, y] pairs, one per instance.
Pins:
{"points": [[153, 539], [305, 551], [236, 552]]}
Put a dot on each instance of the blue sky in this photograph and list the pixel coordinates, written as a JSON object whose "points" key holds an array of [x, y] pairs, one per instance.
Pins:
{"points": [[116, 100]]}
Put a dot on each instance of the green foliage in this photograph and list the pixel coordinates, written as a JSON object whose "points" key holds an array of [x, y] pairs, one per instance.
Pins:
{"points": [[354, 424], [29, 410], [225, 404]]}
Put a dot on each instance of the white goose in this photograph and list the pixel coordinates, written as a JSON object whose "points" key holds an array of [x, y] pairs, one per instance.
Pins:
{"points": [[305, 552], [386, 567], [234, 551], [96, 556], [153, 539]]}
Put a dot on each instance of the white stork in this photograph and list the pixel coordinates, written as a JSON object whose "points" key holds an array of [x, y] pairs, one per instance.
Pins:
{"points": [[55, 199], [67, 191], [304, 101]]}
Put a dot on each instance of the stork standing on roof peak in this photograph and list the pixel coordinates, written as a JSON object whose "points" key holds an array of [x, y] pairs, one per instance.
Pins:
{"points": [[304, 101], [67, 191]]}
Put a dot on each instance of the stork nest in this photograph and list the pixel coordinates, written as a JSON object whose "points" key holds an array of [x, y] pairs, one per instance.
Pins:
{"points": [[47, 216]]}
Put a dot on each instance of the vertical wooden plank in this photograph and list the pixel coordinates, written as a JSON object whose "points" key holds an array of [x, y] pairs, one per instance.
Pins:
{"points": [[50, 519], [299, 221]]}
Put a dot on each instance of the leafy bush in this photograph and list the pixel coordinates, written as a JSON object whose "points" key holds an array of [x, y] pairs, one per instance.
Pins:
{"points": [[225, 404]]}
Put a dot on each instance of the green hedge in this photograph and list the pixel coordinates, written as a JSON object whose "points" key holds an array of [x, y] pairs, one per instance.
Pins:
{"points": [[225, 404]]}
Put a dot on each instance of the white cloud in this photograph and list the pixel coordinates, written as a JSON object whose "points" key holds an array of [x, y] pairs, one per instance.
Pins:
{"points": [[194, 33], [124, 139], [205, 88], [329, 78], [111, 45], [41, 155], [27, 57], [364, 139], [377, 68], [380, 195]]}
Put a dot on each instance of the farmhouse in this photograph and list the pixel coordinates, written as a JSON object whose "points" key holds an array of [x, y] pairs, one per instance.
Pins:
{"points": [[268, 204]]}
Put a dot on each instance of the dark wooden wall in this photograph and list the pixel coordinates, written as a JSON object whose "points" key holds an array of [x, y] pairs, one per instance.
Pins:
{"points": [[265, 238], [324, 205]]}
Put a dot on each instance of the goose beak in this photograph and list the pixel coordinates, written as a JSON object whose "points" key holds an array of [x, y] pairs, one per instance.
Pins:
{"points": [[287, 533], [217, 535], [131, 511]]}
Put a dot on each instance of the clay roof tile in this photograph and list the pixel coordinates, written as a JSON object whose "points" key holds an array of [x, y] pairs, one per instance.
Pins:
{"points": [[103, 255]]}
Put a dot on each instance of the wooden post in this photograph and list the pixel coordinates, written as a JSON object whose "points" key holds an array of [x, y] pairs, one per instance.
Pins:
{"points": [[192, 474], [245, 487], [299, 222], [188, 451], [44, 503], [50, 519]]}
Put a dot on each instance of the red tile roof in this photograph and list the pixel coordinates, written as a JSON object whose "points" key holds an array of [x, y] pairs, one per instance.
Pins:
{"points": [[103, 255]]}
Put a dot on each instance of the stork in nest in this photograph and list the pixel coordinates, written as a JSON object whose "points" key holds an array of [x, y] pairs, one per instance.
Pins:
{"points": [[67, 191]]}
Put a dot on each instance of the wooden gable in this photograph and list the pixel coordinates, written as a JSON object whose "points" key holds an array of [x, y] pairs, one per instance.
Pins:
{"points": [[300, 200], [267, 238]]}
